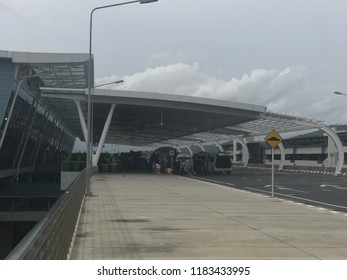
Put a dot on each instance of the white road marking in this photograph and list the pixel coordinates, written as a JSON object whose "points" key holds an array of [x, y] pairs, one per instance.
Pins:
{"points": [[333, 186], [282, 188], [303, 199]]}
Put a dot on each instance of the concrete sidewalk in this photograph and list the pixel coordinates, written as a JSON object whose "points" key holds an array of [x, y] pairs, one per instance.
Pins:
{"points": [[146, 216]]}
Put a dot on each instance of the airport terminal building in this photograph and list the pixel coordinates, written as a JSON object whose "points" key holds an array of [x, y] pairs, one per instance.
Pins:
{"points": [[43, 108], [32, 133]]}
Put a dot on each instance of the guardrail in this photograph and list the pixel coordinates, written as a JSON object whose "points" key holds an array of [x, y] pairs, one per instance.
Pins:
{"points": [[73, 166], [51, 238]]}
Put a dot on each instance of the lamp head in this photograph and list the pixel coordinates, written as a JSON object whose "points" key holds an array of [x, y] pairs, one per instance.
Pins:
{"points": [[147, 1]]}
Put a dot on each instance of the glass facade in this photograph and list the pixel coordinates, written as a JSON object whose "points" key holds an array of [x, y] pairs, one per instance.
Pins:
{"points": [[34, 136]]}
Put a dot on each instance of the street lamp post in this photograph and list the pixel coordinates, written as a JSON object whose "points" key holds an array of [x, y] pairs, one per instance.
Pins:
{"points": [[340, 93], [89, 113], [111, 83]]}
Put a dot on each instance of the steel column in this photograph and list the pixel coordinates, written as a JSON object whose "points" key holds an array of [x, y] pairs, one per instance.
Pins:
{"points": [[245, 152], [339, 146], [283, 156], [103, 135]]}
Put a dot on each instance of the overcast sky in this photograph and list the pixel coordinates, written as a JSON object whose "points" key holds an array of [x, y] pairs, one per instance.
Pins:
{"points": [[290, 55]]}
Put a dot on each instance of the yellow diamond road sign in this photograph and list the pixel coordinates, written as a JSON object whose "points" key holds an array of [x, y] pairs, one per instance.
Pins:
{"points": [[273, 139]]}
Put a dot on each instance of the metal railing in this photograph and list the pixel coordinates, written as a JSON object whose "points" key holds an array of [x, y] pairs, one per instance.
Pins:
{"points": [[51, 238], [73, 166]]}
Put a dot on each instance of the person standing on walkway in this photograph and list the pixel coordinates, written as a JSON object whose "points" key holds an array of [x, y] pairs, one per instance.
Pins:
{"points": [[191, 166], [181, 167], [157, 168], [186, 165]]}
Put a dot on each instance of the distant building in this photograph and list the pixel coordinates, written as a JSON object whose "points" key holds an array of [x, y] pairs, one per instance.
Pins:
{"points": [[313, 149]]}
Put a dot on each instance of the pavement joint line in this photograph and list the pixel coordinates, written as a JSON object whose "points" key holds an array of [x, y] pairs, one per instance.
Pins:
{"points": [[242, 223], [260, 231], [124, 236], [316, 250]]}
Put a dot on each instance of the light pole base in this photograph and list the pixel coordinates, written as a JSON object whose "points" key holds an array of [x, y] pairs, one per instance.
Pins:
{"points": [[94, 169]]}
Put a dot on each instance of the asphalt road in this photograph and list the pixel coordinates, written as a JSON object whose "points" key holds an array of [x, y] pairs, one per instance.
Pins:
{"points": [[315, 189]]}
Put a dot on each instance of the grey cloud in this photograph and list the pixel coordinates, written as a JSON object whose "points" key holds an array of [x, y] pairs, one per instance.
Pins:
{"points": [[280, 90]]}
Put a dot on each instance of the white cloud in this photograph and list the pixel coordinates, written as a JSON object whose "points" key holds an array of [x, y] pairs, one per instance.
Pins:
{"points": [[284, 90], [23, 9], [173, 57], [15, 5]]}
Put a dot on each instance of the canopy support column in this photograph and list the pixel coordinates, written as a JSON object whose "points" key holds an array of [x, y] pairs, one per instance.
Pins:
{"points": [[219, 146], [234, 151], [283, 155], [82, 120], [190, 150], [103, 135], [339, 146], [245, 152], [178, 149], [201, 147]]}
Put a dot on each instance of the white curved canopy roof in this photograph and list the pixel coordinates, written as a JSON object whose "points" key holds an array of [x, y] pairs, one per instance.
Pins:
{"points": [[145, 118]]}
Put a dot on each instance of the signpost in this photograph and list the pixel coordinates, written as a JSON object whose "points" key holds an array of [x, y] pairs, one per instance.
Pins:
{"points": [[273, 139]]}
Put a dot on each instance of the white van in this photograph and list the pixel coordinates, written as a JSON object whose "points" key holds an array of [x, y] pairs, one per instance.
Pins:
{"points": [[213, 162], [223, 163]]}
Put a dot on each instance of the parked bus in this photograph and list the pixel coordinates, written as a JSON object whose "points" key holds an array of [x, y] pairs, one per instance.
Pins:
{"points": [[212, 162], [222, 163]]}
